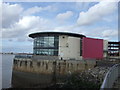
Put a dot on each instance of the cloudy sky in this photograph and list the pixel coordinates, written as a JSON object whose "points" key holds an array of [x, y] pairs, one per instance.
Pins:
{"points": [[93, 19]]}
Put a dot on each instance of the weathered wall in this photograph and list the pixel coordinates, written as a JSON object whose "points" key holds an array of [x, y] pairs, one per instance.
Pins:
{"points": [[41, 57], [105, 48], [69, 47], [60, 67]]}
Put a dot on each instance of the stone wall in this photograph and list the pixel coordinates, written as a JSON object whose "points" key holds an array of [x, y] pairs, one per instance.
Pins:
{"points": [[42, 57], [60, 67]]}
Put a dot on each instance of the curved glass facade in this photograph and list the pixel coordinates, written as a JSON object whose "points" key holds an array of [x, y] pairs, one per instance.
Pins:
{"points": [[46, 45]]}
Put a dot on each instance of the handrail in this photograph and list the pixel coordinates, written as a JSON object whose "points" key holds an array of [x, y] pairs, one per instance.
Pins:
{"points": [[23, 56], [111, 76]]}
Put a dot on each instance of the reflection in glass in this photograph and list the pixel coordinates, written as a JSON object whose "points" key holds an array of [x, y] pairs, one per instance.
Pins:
{"points": [[46, 45]]}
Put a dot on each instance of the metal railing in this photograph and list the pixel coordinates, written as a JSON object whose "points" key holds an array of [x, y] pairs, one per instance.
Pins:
{"points": [[35, 57], [24, 56], [111, 76]]}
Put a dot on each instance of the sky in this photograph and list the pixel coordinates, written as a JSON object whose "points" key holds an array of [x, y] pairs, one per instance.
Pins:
{"points": [[92, 19]]}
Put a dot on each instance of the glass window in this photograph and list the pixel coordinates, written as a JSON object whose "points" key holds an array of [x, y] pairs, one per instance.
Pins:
{"points": [[46, 45]]}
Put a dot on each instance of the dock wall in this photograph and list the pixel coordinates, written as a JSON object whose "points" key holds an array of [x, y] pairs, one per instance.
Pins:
{"points": [[61, 67]]}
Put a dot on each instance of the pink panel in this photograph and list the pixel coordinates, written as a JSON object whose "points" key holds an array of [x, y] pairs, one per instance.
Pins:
{"points": [[92, 48]]}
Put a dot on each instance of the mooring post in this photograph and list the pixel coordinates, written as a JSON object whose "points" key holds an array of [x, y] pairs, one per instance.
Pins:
{"points": [[54, 73]]}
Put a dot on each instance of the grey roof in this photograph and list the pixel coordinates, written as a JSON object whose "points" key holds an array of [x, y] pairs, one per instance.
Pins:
{"points": [[33, 35]]}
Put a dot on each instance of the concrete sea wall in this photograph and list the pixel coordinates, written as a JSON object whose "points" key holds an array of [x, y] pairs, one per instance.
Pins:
{"points": [[45, 73], [60, 67]]}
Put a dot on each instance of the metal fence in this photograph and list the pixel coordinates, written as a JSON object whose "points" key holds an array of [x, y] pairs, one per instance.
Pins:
{"points": [[24, 56], [111, 76], [36, 57]]}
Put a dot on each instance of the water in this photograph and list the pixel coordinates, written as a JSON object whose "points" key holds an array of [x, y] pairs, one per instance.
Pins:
{"points": [[0, 71], [19, 79], [7, 64]]}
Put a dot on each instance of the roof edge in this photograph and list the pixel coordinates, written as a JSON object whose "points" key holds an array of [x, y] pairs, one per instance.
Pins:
{"points": [[37, 34]]}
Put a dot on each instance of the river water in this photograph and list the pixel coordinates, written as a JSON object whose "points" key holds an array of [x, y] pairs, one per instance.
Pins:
{"points": [[6, 68], [18, 79]]}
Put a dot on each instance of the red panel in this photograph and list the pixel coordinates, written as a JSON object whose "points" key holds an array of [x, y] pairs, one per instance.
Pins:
{"points": [[92, 48]]}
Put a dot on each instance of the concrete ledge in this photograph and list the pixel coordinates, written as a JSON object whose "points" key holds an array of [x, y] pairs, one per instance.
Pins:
{"points": [[50, 66]]}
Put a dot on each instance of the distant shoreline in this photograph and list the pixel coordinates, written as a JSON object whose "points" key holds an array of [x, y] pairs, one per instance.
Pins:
{"points": [[8, 53], [15, 53]]}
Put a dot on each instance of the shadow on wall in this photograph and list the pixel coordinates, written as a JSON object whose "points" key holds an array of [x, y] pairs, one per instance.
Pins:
{"points": [[43, 73]]}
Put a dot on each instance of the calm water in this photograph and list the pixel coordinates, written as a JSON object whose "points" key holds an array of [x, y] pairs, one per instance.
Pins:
{"points": [[0, 71], [7, 64], [17, 79]]}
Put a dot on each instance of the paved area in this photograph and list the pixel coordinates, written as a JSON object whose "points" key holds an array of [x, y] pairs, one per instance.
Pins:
{"points": [[117, 83]]}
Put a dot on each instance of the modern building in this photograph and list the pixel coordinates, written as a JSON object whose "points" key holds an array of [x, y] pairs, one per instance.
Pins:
{"points": [[113, 49], [68, 46]]}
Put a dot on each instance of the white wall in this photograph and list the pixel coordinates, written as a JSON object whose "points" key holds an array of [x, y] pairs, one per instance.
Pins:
{"points": [[105, 47], [69, 47]]}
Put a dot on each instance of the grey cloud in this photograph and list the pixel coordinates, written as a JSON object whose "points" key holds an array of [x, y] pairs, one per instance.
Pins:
{"points": [[23, 27], [30, 39], [96, 13], [64, 16], [36, 9], [109, 33], [10, 14]]}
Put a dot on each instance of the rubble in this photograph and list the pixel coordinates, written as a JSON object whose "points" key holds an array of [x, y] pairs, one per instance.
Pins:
{"points": [[96, 74], [91, 78]]}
